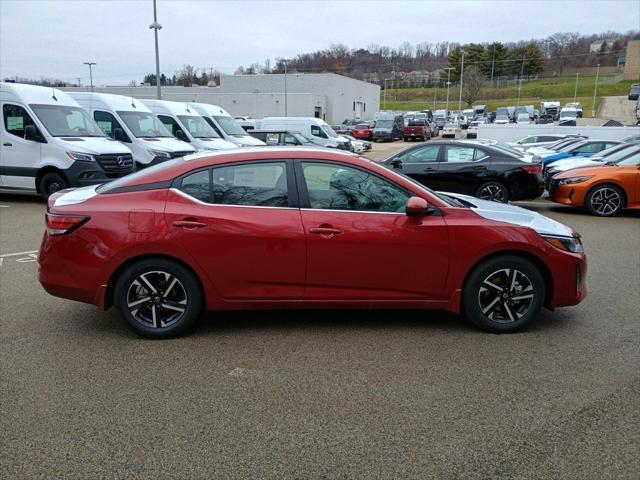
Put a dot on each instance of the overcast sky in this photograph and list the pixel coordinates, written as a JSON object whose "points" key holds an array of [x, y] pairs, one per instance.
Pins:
{"points": [[52, 38]]}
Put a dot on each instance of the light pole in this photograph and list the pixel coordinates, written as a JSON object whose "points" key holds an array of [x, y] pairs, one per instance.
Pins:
{"points": [[595, 90], [91, 64], [493, 63], [435, 93], [575, 90], [461, 83], [448, 69], [285, 88], [155, 26], [520, 80], [384, 95]]}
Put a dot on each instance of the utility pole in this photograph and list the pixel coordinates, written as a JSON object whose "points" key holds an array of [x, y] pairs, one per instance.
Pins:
{"points": [[435, 93], [520, 80], [595, 90], [384, 95], [79, 81], [493, 63], [448, 69], [575, 91], [461, 84], [91, 64], [155, 26], [285, 88]]}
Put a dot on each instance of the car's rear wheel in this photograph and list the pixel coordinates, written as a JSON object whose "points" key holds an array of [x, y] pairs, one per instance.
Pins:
{"points": [[605, 200], [494, 191], [158, 298], [51, 183], [503, 294]]}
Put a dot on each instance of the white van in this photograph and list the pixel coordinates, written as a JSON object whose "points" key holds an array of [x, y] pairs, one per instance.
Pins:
{"points": [[225, 125], [315, 129], [48, 143], [129, 121], [186, 124]]}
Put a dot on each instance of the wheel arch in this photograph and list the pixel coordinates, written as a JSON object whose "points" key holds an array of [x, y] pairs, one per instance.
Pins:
{"points": [[535, 260], [108, 300]]}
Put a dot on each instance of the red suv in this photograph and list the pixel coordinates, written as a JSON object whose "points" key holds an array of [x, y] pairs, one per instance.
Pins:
{"points": [[300, 228]]}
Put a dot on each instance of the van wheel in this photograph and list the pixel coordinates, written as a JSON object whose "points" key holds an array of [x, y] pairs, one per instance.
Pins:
{"points": [[51, 183]]}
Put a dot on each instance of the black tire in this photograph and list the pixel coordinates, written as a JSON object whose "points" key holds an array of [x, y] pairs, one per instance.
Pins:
{"points": [[494, 191], [51, 183], [513, 308], [605, 200], [146, 320]]}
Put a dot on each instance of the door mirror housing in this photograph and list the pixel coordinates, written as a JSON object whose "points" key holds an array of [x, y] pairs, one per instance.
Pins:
{"points": [[417, 207], [31, 133], [180, 135], [119, 135], [396, 163]]}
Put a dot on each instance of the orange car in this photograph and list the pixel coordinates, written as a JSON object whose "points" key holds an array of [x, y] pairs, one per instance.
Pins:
{"points": [[603, 191]]}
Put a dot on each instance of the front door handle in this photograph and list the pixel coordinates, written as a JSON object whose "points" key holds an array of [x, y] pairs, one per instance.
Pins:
{"points": [[429, 170], [7, 144], [189, 224], [326, 232]]}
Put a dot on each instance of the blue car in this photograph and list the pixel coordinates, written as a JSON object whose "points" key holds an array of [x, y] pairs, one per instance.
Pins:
{"points": [[585, 148]]}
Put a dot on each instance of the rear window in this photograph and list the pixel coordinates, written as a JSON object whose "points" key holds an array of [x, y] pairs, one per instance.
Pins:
{"points": [[137, 178]]}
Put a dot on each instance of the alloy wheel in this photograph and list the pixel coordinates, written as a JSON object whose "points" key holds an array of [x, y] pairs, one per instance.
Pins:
{"points": [[506, 295], [494, 193], [54, 187], [156, 299], [606, 201]]}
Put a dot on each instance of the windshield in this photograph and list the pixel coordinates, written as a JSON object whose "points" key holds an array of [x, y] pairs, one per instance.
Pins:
{"points": [[568, 114], [197, 126], [61, 121], [329, 131], [384, 124], [230, 126], [144, 124]]}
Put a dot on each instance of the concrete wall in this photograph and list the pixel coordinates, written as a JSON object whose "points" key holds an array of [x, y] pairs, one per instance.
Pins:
{"points": [[632, 67], [513, 132], [258, 96]]}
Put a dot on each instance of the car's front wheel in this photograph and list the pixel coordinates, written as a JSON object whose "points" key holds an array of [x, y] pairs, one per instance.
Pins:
{"points": [[503, 294], [158, 298], [605, 200]]}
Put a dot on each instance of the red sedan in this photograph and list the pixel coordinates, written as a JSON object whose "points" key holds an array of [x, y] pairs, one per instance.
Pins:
{"points": [[363, 131], [304, 228]]}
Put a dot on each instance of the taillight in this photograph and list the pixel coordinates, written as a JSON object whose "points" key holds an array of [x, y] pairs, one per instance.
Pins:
{"points": [[534, 169], [63, 224]]}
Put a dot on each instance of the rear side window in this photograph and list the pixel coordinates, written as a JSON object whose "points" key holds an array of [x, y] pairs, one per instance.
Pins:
{"points": [[198, 185], [461, 154], [272, 139], [254, 184], [15, 119]]}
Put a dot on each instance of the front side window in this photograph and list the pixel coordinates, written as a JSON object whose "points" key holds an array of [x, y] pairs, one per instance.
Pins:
{"points": [[106, 122], [461, 154], [272, 139], [253, 184], [316, 131], [63, 121], [421, 155], [589, 148], [170, 124], [16, 119], [338, 187]]}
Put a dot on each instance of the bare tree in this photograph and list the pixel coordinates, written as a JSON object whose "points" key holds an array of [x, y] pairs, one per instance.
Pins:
{"points": [[187, 75], [473, 82]]}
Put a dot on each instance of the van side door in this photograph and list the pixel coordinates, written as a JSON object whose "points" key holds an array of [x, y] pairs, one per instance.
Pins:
{"points": [[20, 157]]}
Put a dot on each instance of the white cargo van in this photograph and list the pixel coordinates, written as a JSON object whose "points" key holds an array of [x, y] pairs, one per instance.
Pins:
{"points": [[48, 143], [186, 124], [129, 121], [225, 125], [315, 129]]}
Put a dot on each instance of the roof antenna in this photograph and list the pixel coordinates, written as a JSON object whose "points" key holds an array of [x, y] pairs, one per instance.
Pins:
{"points": [[188, 108], [53, 94], [133, 104]]}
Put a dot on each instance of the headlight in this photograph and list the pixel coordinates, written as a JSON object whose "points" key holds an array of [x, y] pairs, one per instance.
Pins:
{"points": [[159, 154], [568, 244], [572, 180], [83, 157]]}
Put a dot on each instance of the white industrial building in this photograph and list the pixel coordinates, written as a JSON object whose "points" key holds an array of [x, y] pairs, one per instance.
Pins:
{"points": [[329, 96]]}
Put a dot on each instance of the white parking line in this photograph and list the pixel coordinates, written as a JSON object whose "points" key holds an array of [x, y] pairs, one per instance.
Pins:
{"points": [[5, 255], [25, 257], [4, 206]]}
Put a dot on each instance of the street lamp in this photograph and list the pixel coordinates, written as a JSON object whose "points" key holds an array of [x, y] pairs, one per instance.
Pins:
{"points": [[595, 90], [91, 64], [461, 83], [384, 94], [520, 80], [155, 26], [448, 69], [285, 88], [575, 91]]}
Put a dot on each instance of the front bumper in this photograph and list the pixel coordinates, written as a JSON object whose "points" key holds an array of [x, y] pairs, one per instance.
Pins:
{"points": [[569, 272]]}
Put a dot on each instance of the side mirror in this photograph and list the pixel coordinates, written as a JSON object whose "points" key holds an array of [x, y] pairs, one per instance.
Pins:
{"points": [[180, 135], [119, 135], [417, 207], [397, 163], [31, 133]]}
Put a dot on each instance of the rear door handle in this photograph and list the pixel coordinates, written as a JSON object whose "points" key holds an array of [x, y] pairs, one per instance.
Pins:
{"points": [[7, 144], [429, 170], [326, 232], [189, 224]]}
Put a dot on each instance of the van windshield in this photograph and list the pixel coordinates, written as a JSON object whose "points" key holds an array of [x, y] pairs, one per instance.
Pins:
{"points": [[63, 121], [384, 124], [230, 126], [143, 124], [197, 126], [329, 131]]}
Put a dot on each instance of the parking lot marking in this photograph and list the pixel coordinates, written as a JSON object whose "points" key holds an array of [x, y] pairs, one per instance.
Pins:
{"points": [[4, 206], [17, 254], [23, 257]]}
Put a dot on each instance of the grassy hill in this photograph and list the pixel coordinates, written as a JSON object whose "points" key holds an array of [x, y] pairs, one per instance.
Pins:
{"points": [[532, 93]]}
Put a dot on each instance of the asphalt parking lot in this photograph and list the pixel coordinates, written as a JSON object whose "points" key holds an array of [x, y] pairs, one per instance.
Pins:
{"points": [[331, 395]]}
